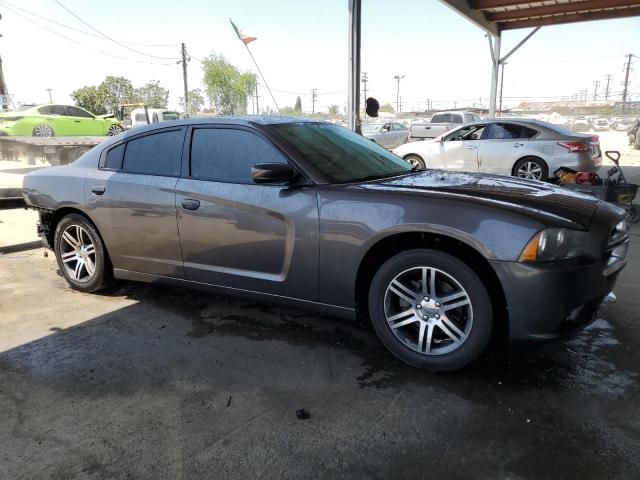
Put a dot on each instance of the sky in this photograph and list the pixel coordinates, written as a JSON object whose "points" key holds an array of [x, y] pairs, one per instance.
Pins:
{"points": [[302, 46]]}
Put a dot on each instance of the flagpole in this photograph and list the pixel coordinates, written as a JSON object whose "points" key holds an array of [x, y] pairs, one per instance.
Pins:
{"points": [[262, 76]]}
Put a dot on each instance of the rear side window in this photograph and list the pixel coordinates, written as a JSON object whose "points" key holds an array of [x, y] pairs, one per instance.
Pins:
{"points": [[509, 131], [155, 154], [48, 110], [114, 158], [437, 118], [78, 112], [227, 155]]}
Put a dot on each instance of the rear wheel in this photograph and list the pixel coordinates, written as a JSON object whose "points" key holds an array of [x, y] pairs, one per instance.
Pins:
{"points": [[431, 310], [81, 254], [43, 130], [416, 161], [531, 168]]}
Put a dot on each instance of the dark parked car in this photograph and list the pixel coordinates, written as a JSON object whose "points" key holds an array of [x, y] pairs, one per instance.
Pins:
{"points": [[312, 214]]}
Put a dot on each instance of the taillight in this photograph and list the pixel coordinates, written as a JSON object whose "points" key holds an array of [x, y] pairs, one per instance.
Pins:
{"points": [[574, 147]]}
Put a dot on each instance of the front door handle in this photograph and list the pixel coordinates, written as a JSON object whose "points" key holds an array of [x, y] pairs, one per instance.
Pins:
{"points": [[98, 189], [472, 147], [77, 121], [518, 145], [190, 204]]}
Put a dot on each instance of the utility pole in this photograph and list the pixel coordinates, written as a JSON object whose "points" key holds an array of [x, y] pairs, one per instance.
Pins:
{"points": [[626, 81], [398, 78], [185, 59], [596, 84], [606, 91], [50, 98], [314, 95], [257, 105], [365, 79]]}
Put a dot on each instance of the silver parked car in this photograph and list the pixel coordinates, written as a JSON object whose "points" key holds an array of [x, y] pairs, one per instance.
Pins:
{"points": [[389, 135], [529, 149]]}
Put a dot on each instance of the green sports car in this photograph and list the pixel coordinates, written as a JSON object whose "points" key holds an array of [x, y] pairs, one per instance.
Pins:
{"points": [[57, 121]]}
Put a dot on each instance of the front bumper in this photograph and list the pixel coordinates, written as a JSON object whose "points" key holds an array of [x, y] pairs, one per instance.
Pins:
{"points": [[546, 301]]}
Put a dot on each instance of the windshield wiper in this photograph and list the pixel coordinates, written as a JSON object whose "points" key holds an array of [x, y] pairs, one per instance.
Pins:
{"points": [[382, 175]]}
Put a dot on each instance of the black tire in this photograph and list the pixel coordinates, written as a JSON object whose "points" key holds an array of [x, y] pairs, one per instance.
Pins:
{"points": [[541, 164], [102, 274], [634, 213], [416, 161], [479, 332]]}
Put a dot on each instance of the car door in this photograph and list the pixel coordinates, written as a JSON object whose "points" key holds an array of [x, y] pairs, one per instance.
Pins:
{"points": [[400, 134], [503, 144], [239, 234], [83, 123], [131, 198], [459, 149], [56, 117], [386, 136]]}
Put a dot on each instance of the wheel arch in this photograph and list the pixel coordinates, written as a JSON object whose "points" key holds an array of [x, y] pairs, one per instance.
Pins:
{"points": [[56, 216], [518, 160], [385, 248]]}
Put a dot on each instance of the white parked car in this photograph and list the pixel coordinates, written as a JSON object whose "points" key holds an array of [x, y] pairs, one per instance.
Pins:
{"points": [[529, 149]]}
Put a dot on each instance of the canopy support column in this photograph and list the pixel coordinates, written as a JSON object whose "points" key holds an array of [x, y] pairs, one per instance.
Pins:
{"points": [[353, 100]]}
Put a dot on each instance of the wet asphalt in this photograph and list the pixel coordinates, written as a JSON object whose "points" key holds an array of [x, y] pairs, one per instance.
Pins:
{"points": [[153, 382]]}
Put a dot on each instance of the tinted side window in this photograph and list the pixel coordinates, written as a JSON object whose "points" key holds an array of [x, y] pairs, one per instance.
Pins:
{"points": [[156, 154], [456, 118], [114, 157], [227, 155], [48, 110], [77, 112], [468, 118], [528, 132], [437, 118], [59, 110]]}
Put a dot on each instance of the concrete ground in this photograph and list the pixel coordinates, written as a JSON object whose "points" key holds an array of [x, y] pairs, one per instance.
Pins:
{"points": [[153, 382]]}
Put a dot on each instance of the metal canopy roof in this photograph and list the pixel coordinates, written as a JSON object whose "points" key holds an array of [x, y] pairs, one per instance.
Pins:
{"points": [[495, 16]]}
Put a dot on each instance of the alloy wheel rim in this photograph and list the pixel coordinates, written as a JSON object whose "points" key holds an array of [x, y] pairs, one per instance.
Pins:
{"points": [[43, 131], [530, 171], [414, 162], [428, 310], [114, 130], [78, 253]]}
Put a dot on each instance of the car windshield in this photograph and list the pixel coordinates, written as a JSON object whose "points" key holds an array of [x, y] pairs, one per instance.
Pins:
{"points": [[340, 155]]}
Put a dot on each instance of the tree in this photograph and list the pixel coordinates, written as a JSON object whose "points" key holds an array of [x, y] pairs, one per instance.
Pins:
{"points": [[227, 87], [387, 108], [334, 110], [115, 91], [196, 101], [90, 98], [152, 95], [297, 108]]}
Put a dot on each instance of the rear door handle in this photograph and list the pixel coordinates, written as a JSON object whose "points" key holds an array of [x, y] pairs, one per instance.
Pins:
{"points": [[190, 204], [518, 145], [98, 189], [472, 147]]}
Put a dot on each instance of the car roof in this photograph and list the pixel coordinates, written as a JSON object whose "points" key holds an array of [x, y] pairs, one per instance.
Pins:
{"points": [[246, 120]]}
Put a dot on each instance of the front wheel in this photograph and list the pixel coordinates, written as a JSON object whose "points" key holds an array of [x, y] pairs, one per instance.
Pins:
{"points": [[431, 310], [531, 168], [81, 254], [115, 130], [416, 161]]}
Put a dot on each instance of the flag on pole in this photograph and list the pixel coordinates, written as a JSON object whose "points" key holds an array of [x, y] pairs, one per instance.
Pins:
{"points": [[245, 39]]}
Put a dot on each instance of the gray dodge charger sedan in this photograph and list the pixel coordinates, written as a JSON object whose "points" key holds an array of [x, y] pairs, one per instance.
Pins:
{"points": [[309, 213]]}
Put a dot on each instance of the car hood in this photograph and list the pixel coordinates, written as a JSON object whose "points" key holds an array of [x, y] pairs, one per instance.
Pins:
{"points": [[527, 197]]}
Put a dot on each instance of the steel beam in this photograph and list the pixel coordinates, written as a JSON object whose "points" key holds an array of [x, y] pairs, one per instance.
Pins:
{"points": [[562, 8], [478, 18], [571, 18], [495, 67], [353, 96]]}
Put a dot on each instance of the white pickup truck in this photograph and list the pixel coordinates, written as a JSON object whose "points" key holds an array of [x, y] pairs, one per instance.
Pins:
{"points": [[440, 123]]}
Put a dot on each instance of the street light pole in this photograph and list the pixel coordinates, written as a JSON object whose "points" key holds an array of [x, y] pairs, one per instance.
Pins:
{"points": [[50, 98], [398, 78]]}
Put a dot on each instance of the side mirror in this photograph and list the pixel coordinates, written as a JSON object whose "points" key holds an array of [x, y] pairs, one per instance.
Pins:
{"points": [[272, 173]]}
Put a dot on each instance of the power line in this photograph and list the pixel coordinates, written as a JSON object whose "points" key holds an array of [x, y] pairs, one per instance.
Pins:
{"points": [[84, 32], [111, 39], [80, 43]]}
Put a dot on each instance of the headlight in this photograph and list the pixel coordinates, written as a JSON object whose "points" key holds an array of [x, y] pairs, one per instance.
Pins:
{"points": [[554, 244]]}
